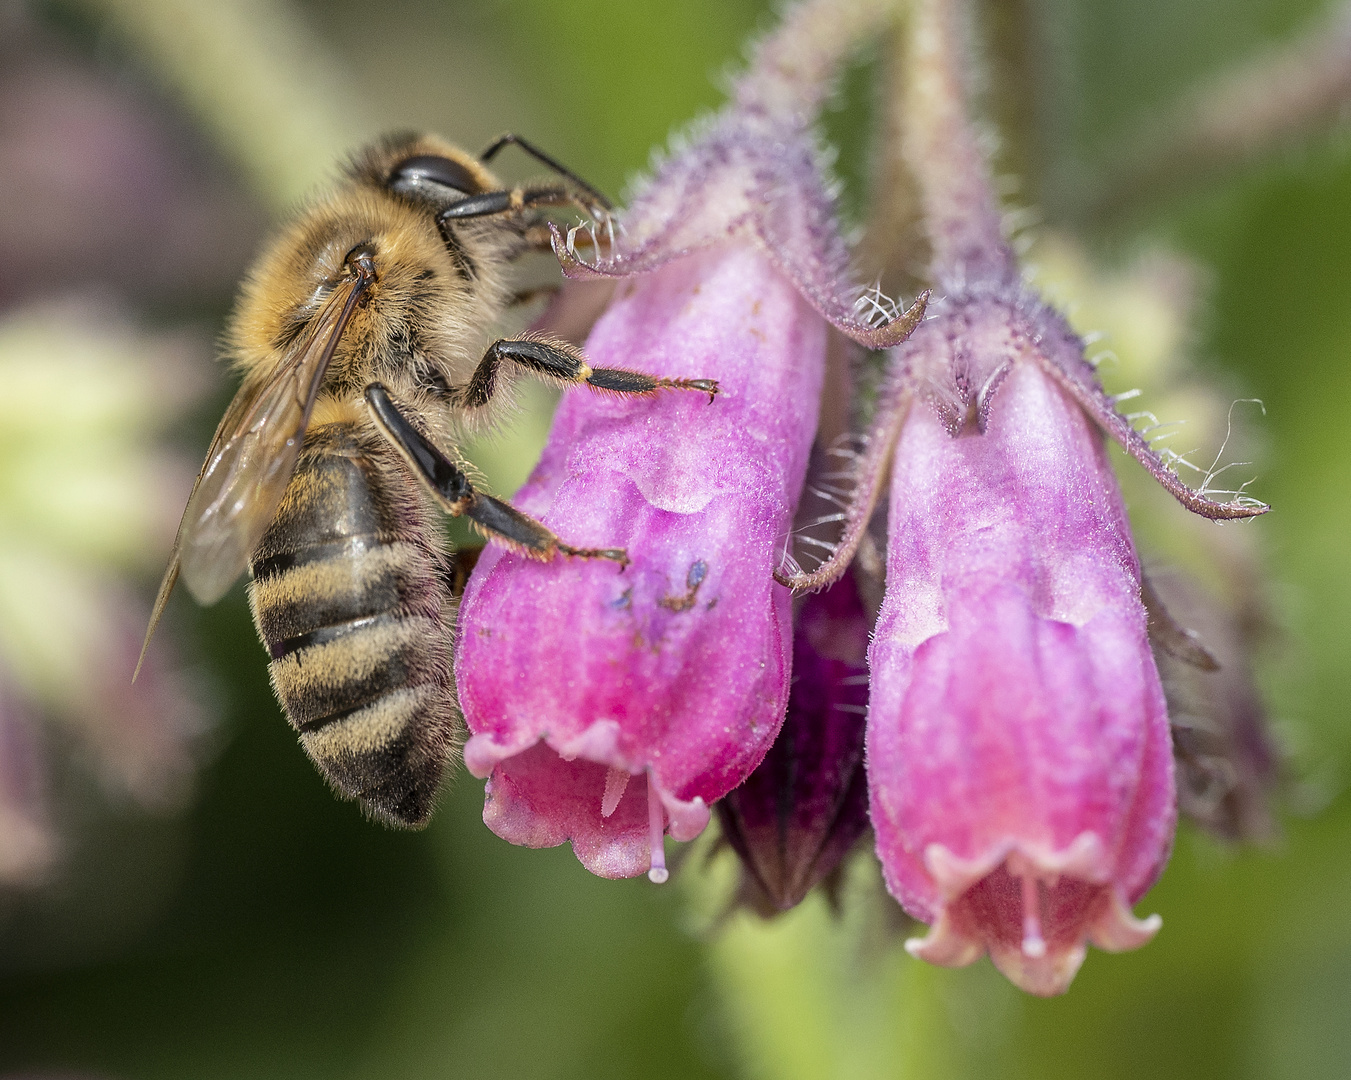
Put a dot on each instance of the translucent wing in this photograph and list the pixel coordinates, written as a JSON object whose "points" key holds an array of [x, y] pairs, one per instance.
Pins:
{"points": [[252, 457]]}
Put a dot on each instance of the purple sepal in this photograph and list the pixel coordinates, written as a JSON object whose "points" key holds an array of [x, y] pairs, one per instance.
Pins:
{"points": [[746, 178]]}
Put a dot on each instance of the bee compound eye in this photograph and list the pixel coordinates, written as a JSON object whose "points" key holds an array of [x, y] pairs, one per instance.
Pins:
{"points": [[428, 169]]}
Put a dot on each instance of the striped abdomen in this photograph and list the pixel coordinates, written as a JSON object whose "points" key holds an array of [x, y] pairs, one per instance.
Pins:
{"points": [[351, 599]]}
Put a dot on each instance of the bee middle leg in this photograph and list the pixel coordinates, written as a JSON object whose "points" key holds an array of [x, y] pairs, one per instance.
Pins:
{"points": [[451, 489], [557, 360]]}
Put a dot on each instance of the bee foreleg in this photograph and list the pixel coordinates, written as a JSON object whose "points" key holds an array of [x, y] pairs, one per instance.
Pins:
{"points": [[512, 139], [520, 199], [554, 359], [451, 488]]}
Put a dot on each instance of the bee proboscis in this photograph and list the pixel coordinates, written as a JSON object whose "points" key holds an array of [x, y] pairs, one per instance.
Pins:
{"points": [[359, 334]]}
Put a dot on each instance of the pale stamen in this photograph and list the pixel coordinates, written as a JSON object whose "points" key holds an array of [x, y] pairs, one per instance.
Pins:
{"points": [[1034, 945], [656, 823], [616, 783]]}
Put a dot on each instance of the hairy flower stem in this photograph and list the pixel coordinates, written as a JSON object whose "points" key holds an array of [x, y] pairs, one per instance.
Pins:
{"points": [[944, 151], [793, 69]]}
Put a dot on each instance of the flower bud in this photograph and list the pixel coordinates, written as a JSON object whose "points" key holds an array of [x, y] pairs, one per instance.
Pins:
{"points": [[798, 814]]}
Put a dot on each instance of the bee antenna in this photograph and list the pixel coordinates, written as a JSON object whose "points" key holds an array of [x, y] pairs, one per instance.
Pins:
{"points": [[512, 139]]}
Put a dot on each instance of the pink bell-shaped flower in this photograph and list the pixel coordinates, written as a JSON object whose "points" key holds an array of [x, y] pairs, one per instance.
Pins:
{"points": [[1020, 767], [673, 670], [1019, 757]]}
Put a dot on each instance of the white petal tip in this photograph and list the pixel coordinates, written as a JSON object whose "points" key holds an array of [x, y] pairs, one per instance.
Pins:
{"points": [[1117, 930], [943, 946]]}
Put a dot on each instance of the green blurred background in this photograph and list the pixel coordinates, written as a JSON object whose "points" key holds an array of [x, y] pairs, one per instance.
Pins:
{"points": [[268, 931]]}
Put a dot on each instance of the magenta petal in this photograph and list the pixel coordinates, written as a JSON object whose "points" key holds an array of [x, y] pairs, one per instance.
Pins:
{"points": [[1017, 730], [539, 799], [677, 665]]}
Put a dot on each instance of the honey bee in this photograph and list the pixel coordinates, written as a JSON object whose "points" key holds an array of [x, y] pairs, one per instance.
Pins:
{"points": [[359, 334]]}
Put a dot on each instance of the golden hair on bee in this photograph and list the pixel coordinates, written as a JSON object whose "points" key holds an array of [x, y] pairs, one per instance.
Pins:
{"points": [[428, 310], [361, 338]]}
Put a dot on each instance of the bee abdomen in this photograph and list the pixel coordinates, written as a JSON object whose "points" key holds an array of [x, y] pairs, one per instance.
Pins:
{"points": [[351, 601]]}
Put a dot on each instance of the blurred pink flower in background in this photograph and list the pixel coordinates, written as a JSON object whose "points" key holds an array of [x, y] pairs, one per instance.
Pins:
{"points": [[102, 189], [86, 498]]}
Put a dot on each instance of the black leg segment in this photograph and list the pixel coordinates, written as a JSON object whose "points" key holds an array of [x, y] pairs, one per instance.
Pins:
{"points": [[511, 139], [448, 484], [557, 360], [518, 200], [456, 495]]}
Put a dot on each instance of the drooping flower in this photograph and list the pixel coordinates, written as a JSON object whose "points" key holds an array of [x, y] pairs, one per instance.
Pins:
{"points": [[1018, 748], [1019, 760], [801, 811], [609, 705], [1020, 763]]}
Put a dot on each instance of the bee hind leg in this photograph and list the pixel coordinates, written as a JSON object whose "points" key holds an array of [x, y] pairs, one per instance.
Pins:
{"points": [[554, 359], [451, 489]]}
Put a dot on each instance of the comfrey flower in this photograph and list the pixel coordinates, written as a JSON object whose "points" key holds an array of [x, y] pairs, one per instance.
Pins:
{"points": [[607, 705], [1019, 759]]}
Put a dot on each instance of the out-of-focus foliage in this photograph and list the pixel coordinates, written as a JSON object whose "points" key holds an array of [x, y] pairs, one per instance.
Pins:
{"points": [[270, 932]]}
